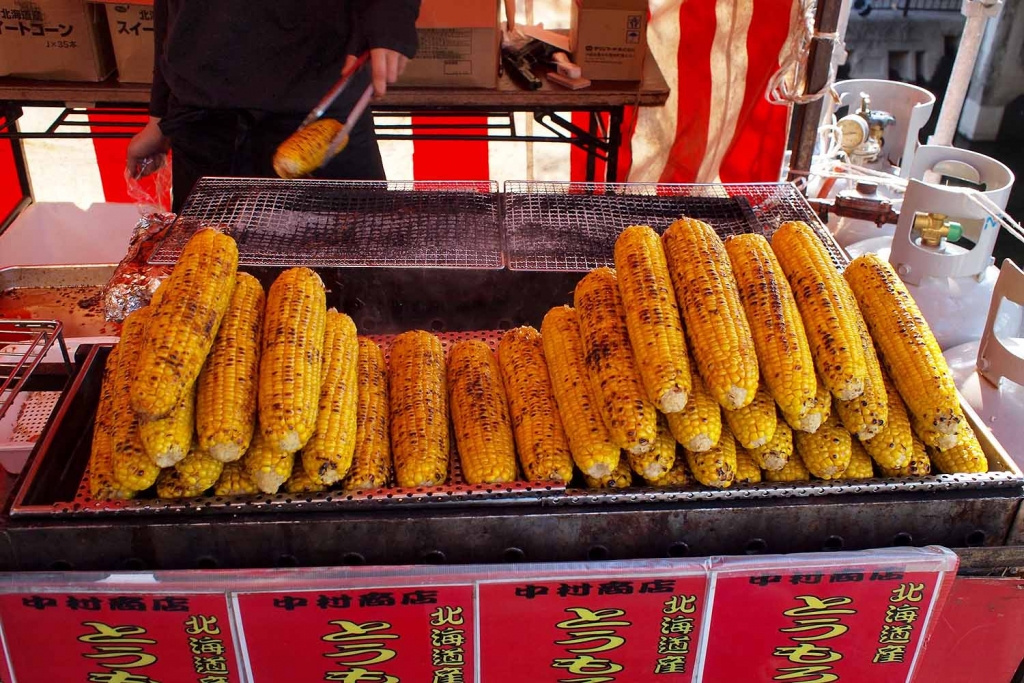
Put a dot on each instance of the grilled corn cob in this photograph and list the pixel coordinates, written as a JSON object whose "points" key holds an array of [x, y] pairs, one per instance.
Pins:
{"points": [[776, 453], [932, 437], [619, 478], [919, 464], [677, 476], [371, 463], [306, 149], [292, 359], [539, 435], [226, 389], [267, 466], [483, 429], [747, 471], [908, 347], [658, 461], [170, 484], [820, 410], [327, 456], [630, 417], [190, 477], [652, 317], [168, 439], [783, 354], [184, 323], [823, 299], [719, 334], [698, 426], [301, 482], [865, 415], [826, 452], [966, 457], [793, 470], [133, 469], [754, 425], [715, 467], [235, 481], [418, 410], [892, 447], [101, 475], [860, 466], [589, 440]]}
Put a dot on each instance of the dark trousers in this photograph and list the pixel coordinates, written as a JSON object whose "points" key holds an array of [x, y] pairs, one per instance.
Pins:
{"points": [[206, 142]]}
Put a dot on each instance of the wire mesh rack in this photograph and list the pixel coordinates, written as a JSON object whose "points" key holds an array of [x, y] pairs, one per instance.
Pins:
{"points": [[560, 226], [330, 223], [23, 345]]}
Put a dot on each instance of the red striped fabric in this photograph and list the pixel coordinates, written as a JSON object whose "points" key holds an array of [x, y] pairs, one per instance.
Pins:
{"points": [[10, 192], [446, 160]]}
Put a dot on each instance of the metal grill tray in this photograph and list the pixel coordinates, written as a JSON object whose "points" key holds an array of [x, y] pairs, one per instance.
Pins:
{"points": [[331, 223]]}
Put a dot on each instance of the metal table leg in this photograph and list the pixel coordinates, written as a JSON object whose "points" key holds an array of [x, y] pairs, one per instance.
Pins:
{"points": [[616, 116]]}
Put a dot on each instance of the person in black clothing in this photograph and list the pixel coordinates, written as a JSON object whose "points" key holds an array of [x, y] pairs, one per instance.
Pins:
{"points": [[232, 79]]}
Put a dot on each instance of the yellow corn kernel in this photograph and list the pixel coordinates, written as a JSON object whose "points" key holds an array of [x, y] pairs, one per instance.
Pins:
{"points": [[371, 463], [715, 467], [698, 426], [652, 317], [675, 477], [793, 470], [753, 426], [301, 482], [747, 471], [199, 471], [235, 481], [619, 478], [656, 462], [170, 485], [826, 452], [966, 457], [630, 417], [168, 439], [589, 440], [267, 466], [227, 386], [919, 464], [101, 474], [720, 337], [483, 429], [892, 447], [418, 410], [865, 415], [860, 466], [184, 323], [305, 150], [539, 435], [820, 410], [133, 469], [822, 296], [776, 453], [327, 456], [907, 345], [292, 359], [783, 353]]}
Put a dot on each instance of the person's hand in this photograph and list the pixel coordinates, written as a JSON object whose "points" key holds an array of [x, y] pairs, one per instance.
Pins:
{"points": [[147, 143], [385, 66]]}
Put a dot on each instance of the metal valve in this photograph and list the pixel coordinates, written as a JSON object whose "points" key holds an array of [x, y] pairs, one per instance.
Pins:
{"points": [[933, 227]]}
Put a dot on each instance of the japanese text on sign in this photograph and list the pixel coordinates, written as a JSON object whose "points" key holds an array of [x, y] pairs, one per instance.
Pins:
{"points": [[814, 622]]}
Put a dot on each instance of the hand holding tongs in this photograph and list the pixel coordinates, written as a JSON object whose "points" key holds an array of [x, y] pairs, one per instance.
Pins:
{"points": [[341, 139]]}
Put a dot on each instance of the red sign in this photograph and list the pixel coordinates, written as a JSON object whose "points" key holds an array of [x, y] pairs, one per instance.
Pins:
{"points": [[118, 638], [858, 623], [635, 629], [378, 635]]}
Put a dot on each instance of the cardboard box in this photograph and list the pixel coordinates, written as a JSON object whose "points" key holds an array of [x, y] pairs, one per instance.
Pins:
{"points": [[63, 40], [459, 45], [609, 38], [131, 32]]}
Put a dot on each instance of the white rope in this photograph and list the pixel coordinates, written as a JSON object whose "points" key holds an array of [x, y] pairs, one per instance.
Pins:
{"points": [[788, 85], [997, 212]]}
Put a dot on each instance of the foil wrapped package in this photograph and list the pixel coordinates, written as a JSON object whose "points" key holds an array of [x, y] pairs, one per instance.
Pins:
{"points": [[134, 281]]}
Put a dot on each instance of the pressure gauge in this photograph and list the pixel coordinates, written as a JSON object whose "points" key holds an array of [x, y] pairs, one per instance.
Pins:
{"points": [[853, 132]]}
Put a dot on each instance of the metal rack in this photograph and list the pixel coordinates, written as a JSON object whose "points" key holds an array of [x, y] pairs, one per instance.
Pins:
{"points": [[23, 345]]}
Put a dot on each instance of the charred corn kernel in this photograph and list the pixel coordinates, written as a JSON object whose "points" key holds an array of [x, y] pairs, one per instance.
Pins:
{"points": [[292, 359], [675, 477], [306, 149], [301, 482], [747, 471], [483, 428], [168, 439], [919, 464], [793, 470], [267, 466], [966, 457], [719, 334], [656, 462], [893, 445], [698, 426], [235, 481], [907, 345], [826, 452], [753, 426], [820, 411], [589, 440], [184, 323], [198, 470], [865, 415], [932, 437], [371, 463], [860, 466], [715, 467], [822, 296], [170, 484], [776, 453], [327, 456], [227, 386], [619, 478], [101, 475], [539, 435], [652, 317], [133, 469], [783, 354], [630, 417], [418, 410]]}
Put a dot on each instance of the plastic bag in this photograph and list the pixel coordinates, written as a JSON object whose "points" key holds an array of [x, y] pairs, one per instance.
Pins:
{"points": [[151, 189]]}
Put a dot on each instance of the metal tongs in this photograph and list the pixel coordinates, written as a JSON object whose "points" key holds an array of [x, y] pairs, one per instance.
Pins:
{"points": [[341, 139]]}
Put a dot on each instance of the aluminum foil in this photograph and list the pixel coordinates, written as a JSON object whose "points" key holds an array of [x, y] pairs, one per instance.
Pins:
{"points": [[134, 281]]}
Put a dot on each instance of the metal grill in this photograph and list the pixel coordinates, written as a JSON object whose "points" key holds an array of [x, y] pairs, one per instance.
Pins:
{"points": [[329, 223], [23, 345], [557, 226]]}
